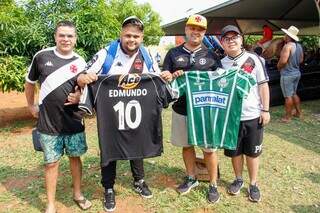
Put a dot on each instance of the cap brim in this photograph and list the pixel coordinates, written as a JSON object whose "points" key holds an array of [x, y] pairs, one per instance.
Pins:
{"points": [[203, 27], [223, 34], [294, 37], [130, 18]]}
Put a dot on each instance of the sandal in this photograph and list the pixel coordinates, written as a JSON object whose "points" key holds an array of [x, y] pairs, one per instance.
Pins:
{"points": [[83, 203]]}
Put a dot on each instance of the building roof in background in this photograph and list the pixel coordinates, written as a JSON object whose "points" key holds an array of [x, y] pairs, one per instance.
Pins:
{"points": [[251, 15]]}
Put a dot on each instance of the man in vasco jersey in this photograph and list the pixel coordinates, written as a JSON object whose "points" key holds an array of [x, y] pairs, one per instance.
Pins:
{"points": [[128, 58], [254, 115], [192, 55], [60, 122]]}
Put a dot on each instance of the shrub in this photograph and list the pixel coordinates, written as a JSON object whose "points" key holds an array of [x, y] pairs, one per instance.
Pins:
{"points": [[12, 73]]}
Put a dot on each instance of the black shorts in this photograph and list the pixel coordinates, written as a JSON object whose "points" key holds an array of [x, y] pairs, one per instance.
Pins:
{"points": [[249, 139]]}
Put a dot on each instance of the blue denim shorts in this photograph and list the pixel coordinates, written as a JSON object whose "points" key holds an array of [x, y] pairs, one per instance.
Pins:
{"points": [[289, 85], [54, 146]]}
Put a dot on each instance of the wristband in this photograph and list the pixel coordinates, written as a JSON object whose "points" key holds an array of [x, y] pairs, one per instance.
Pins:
{"points": [[263, 110]]}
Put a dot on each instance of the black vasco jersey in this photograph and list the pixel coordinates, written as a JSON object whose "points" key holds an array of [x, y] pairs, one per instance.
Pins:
{"points": [[57, 76], [180, 58], [128, 109]]}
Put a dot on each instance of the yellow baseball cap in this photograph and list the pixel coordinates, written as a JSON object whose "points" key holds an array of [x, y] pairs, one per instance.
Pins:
{"points": [[197, 20]]}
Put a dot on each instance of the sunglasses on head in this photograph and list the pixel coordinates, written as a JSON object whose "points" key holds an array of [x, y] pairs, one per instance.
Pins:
{"points": [[134, 22]]}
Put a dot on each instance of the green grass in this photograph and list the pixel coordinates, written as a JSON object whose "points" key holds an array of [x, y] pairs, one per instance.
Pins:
{"points": [[289, 175]]}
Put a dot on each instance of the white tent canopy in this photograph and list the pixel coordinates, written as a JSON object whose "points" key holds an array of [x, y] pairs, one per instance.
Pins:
{"points": [[251, 15]]}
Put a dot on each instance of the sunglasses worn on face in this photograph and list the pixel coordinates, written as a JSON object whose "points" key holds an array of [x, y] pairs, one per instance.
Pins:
{"points": [[231, 38]]}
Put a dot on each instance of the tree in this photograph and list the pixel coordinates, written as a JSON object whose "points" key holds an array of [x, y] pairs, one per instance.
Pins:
{"points": [[17, 35], [98, 21], [28, 27], [151, 20], [12, 73], [310, 43]]}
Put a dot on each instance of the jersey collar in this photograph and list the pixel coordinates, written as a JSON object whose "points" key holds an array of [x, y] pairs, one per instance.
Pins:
{"points": [[189, 51], [124, 52], [237, 57], [62, 56]]}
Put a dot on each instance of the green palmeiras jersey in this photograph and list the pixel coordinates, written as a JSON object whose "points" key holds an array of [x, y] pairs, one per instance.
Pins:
{"points": [[214, 101]]}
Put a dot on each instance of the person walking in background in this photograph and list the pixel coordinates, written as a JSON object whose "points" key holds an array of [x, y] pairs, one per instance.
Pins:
{"points": [[60, 122], [291, 57]]}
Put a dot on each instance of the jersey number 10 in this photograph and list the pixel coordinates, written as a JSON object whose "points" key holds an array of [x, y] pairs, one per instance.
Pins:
{"points": [[124, 114]]}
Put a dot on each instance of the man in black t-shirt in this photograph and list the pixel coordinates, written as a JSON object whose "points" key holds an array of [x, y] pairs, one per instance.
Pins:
{"points": [[192, 55], [60, 123], [128, 58]]}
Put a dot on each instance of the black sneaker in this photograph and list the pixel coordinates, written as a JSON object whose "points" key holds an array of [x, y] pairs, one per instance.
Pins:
{"points": [[235, 187], [142, 188], [109, 203], [213, 194], [187, 185], [254, 193]]}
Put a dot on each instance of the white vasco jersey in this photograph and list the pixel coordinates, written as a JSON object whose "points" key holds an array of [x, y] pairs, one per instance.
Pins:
{"points": [[251, 64], [121, 63]]}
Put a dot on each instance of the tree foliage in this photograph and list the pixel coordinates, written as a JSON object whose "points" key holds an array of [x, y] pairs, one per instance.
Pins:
{"points": [[310, 43], [151, 20], [17, 36], [12, 73], [28, 26]]}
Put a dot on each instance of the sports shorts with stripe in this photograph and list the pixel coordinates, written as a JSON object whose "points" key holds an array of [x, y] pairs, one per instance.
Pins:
{"points": [[249, 139]]}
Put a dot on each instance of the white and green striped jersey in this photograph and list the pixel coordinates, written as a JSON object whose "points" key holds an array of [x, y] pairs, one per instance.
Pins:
{"points": [[214, 101]]}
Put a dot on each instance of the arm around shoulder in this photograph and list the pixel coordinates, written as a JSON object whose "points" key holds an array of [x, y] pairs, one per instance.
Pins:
{"points": [[93, 67], [86, 78]]}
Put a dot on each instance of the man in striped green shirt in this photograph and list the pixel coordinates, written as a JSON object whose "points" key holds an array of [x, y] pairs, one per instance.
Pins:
{"points": [[214, 101]]}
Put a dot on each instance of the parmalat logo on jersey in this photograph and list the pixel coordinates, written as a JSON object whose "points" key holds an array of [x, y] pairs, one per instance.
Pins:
{"points": [[129, 81], [210, 99]]}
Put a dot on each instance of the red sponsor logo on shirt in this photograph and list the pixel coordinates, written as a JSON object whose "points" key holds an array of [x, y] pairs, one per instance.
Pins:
{"points": [[248, 65], [73, 68], [247, 68], [138, 64]]}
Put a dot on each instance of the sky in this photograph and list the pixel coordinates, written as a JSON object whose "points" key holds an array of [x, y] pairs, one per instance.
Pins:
{"points": [[172, 10]]}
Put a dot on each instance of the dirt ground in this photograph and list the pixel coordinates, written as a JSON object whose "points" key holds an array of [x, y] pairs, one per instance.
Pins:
{"points": [[13, 107]]}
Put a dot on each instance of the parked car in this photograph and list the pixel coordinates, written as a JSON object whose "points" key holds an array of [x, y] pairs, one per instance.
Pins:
{"points": [[309, 85]]}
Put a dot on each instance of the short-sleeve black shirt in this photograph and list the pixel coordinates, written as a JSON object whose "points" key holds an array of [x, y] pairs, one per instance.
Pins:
{"points": [[57, 76], [180, 58], [128, 109]]}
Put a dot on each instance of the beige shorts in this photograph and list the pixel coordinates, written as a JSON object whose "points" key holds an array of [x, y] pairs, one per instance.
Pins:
{"points": [[179, 134]]}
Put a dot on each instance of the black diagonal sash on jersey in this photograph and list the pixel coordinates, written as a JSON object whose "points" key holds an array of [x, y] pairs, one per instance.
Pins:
{"points": [[128, 110], [60, 76]]}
